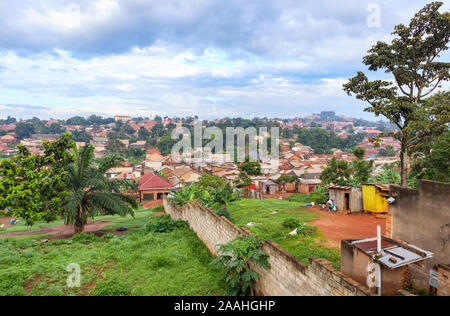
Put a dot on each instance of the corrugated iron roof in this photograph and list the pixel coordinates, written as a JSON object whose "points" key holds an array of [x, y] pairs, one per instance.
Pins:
{"points": [[340, 187], [392, 255]]}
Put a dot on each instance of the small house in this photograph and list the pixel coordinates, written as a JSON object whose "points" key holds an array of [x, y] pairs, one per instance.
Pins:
{"points": [[153, 189], [346, 198], [268, 187], [306, 186]]}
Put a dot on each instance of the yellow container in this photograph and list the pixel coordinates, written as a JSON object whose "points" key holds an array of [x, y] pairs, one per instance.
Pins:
{"points": [[374, 198]]}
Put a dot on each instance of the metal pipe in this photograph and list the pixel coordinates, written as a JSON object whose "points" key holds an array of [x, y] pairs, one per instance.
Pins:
{"points": [[379, 279], [379, 239]]}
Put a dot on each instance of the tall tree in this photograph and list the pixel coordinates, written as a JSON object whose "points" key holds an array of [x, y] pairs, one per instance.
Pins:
{"points": [[362, 169], [33, 187], [340, 172], [432, 161], [143, 133], [411, 58], [91, 193], [24, 130]]}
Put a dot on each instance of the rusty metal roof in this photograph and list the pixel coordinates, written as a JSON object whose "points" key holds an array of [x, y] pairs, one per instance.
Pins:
{"points": [[340, 187], [370, 246], [392, 255]]}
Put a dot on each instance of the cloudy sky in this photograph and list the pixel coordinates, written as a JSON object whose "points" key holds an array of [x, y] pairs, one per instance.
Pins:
{"points": [[211, 58]]}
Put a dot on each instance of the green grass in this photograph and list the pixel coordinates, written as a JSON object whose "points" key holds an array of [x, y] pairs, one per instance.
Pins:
{"points": [[138, 263], [141, 217], [269, 226], [300, 198]]}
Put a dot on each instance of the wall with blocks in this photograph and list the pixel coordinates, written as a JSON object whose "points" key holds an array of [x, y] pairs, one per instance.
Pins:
{"points": [[287, 276]]}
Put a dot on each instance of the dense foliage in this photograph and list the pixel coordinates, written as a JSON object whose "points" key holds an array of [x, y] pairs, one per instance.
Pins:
{"points": [[138, 263], [34, 187], [247, 169], [319, 195], [235, 258], [433, 162], [340, 172], [322, 141], [412, 59], [216, 197], [164, 224], [91, 193]]}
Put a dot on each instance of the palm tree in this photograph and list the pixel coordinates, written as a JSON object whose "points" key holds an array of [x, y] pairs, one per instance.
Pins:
{"points": [[91, 193]]}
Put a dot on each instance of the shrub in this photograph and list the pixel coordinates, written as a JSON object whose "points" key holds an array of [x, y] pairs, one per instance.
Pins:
{"points": [[211, 197], [306, 230], [164, 224], [319, 195], [224, 212], [84, 238], [290, 223], [158, 209], [235, 257], [299, 198], [186, 194], [111, 288]]}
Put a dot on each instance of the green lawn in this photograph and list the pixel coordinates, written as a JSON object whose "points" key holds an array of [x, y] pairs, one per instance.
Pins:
{"points": [[137, 263], [269, 226], [141, 217]]}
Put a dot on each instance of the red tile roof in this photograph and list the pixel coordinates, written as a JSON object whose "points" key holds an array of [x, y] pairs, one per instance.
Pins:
{"points": [[153, 181], [153, 151]]}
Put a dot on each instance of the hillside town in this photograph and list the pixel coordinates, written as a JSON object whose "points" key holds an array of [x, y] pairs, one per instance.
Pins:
{"points": [[143, 143], [201, 150]]}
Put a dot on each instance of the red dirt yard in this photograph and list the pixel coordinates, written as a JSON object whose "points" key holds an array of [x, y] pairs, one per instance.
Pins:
{"points": [[339, 226], [61, 231]]}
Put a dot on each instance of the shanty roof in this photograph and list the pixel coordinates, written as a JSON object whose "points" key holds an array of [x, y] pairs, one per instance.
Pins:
{"points": [[394, 254], [311, 181], [339, 187], [268, 182], [380, 186], [152, 181]]}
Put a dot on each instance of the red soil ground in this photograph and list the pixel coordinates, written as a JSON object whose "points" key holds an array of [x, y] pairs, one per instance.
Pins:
{"points": [[339, 226], [5, 221], [62, 231]]}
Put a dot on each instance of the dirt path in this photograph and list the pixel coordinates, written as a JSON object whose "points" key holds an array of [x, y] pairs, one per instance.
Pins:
{"points": [[339, 226], [5, 221], [62, 231]]}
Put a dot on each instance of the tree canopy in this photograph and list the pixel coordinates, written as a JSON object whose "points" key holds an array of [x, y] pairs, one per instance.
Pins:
{"points": [[412, 60], [33, 187]]}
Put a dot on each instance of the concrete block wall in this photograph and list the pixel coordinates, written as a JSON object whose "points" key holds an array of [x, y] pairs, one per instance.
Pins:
{"points": [[287, 276], [422, 218]]}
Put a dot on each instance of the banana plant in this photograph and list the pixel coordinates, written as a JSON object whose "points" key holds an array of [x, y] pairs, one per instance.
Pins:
{"points": [[186, 194]]}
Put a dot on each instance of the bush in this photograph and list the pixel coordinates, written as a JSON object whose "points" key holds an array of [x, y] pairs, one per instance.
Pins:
{"points": [[84, 238], [158, 209], [319, 195], [290, 223], [299, 198], [111, 288], [164, 224], [234, 257], [306, 230], [224, 212]]}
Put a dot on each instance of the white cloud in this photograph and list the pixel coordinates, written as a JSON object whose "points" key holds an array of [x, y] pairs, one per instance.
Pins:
{"points": [[212, 58]]}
